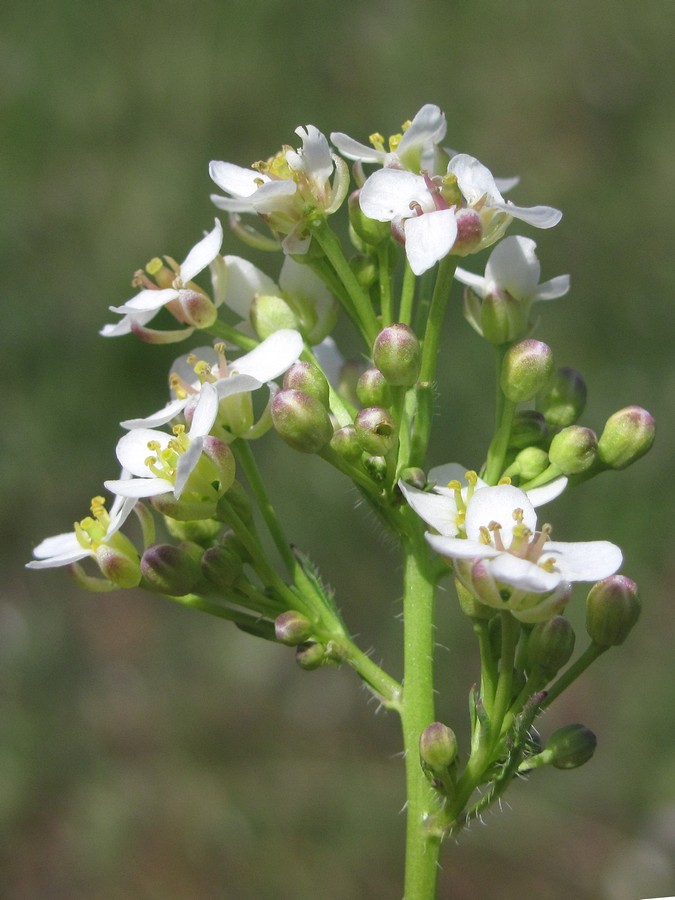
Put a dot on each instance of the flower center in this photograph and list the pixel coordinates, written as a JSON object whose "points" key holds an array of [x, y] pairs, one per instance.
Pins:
{"points": [[91, 531]]}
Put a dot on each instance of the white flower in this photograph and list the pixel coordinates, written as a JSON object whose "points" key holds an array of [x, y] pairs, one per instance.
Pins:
{"points": [[501, 558], [90, 537], [461, 211], [286, 188], [232, 382], [415, 149], [511, 274], [172, 288]]}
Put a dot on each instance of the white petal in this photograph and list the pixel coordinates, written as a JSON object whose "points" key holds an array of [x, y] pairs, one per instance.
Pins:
{"points": [[427, 127], [161, 417], [272, 196], [556, 287], [65, 544], [498, 504], [354, 150], [523, 574], [236, 180], [119, 512], [232, 205], [298, 280], [316, 158], [474, 179], [547, 492], [186, 465], [147, 300], [513, 266], [475, 282], [202, 253], [272, 357], [205, 412], [139, 487], [429, 238], [236, 384], [132, 451], [538, 216], [63, 559], [330, 359], [584, 560], [460, 548], [244, 282], [389, 192], [436, 510]]}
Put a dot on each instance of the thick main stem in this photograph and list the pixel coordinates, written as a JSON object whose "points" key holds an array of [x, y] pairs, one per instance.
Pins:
{"points": [[422, 846]]}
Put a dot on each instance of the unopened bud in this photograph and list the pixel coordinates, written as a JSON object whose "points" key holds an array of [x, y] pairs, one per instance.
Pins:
{"points": [[292, 628], [574, 449], [550, 645], [305, 376], [570, 746], [310, 656], [612, 608], [200, 531], [563, 398], [397, 354], [346, 444], [197, 309], [438, 747], [118, 561], [497, 312], [529, 463], [170, 569], [528, 429], [375, 430], [526, 367], [373, 389], [222, 565], [364, 267], [376, 467], [627, 435], [414, 476], [269, 314], [301, 420]]}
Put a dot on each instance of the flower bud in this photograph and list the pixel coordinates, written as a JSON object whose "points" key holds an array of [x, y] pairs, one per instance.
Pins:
{"points": [[196, 309], [199, 531], [269, 314], [574, 449], [563, 398], [529, 463], [414, 476], [346, 444], [364, 267], [526, 367], [528, 429], [222, 565], [397, 354], [118, 561], [217, 464], [310, 656], [438, 747], [170, 569], [612, 608], [305, 376], [376, 467], [570, 746], [627, 435], [375, 430], [292, 628], [373, 389], [550, 645], [497, 312], [369, 230], [301, 420]]}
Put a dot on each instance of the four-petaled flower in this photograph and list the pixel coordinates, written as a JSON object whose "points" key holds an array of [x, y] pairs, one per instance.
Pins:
{"points": [[287, 188]]}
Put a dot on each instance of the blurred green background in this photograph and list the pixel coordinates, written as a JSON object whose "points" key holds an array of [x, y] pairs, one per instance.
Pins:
{"points": [[148, 752]]}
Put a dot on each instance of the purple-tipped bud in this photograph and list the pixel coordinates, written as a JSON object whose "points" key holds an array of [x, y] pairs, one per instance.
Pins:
{"points": [[526, 368], [375, 430], [222, 565], [550, 645], [373, 389], [370, 231], [574, 449], [118, 562], [627, 435], [270, 314], [196, 309], [305, 376], [345, 442], [414, 476], [612, 608], [170, 569], [301, 420], [529, 429], [397, 354], [310, 656], [438, 747], [563, 398], [570, 746], [222, 458], [292, 628], [376, 467]]}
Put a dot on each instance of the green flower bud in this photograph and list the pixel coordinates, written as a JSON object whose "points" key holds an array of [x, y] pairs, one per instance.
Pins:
{"points": [[438, 747], [414, 476], [550, 645], [570, 746], [376, 467], [397, 354], [171, 569], [529, 463], [200, 531], [528, 429], [345, 442], [269, 314], [369, 230], [292, 628], [627, 435], [301, 420], [373, 389], [612, 608], [574, 449], [375, 430], [310, 656], [305, 376], [526, 367], [222, 565], [563, 398], [365, 268], [500, 317]]}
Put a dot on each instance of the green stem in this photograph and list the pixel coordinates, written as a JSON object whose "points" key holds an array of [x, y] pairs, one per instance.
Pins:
{"points": [[422, 845], [385, 688], [504, 413], [386, 309], [230, 334], [488, 664], [407, 295], [510, 634]]}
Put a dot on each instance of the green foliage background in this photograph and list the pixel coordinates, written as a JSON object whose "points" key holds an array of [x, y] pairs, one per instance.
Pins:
{"points": [[146, 752]]}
